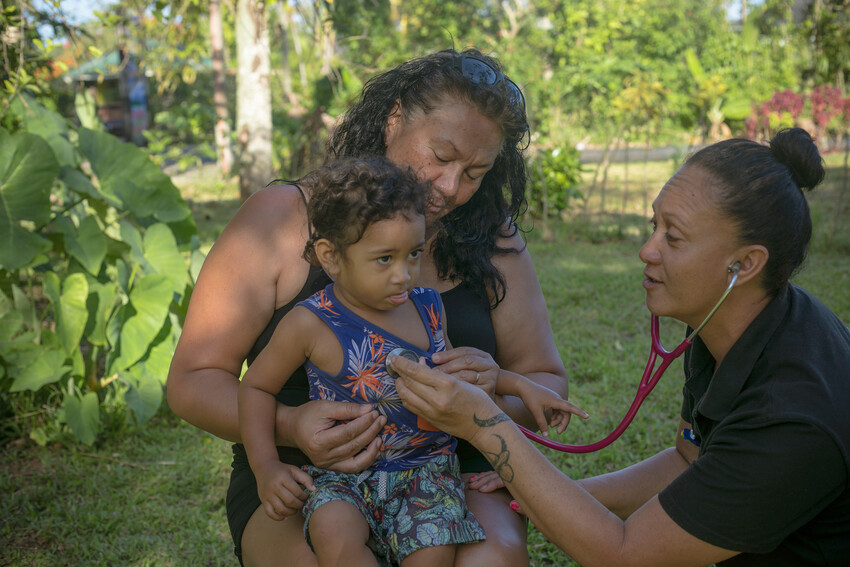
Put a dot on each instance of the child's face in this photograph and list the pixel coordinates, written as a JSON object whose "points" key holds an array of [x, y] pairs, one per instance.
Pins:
{"points": [[377, 272]]}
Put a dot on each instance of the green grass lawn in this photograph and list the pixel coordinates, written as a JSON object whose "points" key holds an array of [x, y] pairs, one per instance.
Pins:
{"points": [[156, 496]]}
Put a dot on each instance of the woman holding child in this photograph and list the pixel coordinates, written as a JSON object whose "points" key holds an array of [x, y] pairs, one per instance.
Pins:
{"points": [[458, 122]]}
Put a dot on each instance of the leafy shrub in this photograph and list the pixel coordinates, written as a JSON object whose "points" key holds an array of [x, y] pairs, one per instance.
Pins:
{"points": [[554, 174], [94, 241]]}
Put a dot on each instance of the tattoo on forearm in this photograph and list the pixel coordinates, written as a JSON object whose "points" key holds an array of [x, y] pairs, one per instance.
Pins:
{"points": [[501, 461], [490, 422]]}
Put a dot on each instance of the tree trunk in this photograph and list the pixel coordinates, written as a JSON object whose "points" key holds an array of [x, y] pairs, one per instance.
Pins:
{"points": [[253, 97], [284, 13], [224, 152]]}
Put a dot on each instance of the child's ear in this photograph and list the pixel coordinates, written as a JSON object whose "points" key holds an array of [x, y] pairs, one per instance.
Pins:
{"points": [[327, 257]]}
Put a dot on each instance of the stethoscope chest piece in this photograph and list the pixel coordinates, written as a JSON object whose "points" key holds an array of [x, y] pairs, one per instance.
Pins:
{"points": [[402, 352]]}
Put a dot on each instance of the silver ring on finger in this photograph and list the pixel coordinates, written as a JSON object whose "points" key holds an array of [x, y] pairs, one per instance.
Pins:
{"points": [[477, 377]]}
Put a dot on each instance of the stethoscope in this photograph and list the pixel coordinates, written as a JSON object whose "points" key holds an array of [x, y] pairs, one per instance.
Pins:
{"points": [[647, 382]]}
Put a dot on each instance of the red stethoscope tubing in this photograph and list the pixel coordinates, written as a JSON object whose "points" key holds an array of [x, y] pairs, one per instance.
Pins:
{"points": [[647, 382]]}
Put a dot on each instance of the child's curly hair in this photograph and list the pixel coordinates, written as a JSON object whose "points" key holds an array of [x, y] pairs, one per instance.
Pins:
{"points": [[350, 194]]}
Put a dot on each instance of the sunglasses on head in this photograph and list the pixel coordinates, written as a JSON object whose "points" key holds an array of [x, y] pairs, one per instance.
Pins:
{"points": [[482, 73]]}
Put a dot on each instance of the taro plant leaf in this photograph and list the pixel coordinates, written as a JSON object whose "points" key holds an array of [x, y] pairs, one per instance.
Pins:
{"points": [[144, 393], [49, 125], [46, 368], [163, 256], [10, 323], [83, 416], [26, 307], [87, 244], [69, 307], [131, 236], [100, 303], [20, 353], [79, 183], [158, 360], [157, 253], [128, 176], [150, 299], [5, 303], [27, 170]]}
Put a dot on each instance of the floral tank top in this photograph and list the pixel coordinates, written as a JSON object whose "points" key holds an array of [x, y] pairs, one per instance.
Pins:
{"points": [[407, 441]]}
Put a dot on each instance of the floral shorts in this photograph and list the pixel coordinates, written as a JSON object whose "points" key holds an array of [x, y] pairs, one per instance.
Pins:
{"points": [[406, 510]]}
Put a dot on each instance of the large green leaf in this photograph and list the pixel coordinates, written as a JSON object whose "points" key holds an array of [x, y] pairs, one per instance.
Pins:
{"points": [[10, 324], [27, 170], [87, 244], [5, 303], [150, 299], [127, 174], [69, 306], [49, 125], [73, 313], [20, 353], [83, 416], [131, 236], [144, 394], [26, 307], [77, 181], [46, 368], [100, 303], [159, 360], [20, 248], [163, 256]]}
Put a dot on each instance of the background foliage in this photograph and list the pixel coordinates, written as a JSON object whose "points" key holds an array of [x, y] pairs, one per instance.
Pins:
{"points": [[92, 279]]}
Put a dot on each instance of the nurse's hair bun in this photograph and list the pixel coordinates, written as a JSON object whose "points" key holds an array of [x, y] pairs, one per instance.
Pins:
{"points": [[796, 150]]}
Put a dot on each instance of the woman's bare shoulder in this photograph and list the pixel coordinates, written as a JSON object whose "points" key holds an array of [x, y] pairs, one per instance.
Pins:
{"points": [[276, 203], [265, 238], [273, 217]]}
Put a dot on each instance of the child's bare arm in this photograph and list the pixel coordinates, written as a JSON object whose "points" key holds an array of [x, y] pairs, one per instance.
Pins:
{"points": [[278, 484], [547, 407]]}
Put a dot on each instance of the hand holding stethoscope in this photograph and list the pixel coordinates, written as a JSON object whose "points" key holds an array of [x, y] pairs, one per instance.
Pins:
{"points": [[647, 383]]}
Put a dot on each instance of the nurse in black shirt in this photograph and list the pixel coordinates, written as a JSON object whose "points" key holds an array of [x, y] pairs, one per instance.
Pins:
{"points": [[760, 474]]}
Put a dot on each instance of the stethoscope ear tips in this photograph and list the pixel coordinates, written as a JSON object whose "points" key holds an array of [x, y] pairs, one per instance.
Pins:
{"points": [[734, 268]]}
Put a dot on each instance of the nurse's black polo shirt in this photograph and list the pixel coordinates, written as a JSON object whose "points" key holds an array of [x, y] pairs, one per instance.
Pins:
{"points": [[772, 475]]}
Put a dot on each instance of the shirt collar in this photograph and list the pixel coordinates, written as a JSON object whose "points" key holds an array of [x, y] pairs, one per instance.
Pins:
{"points": [[729, 378]]}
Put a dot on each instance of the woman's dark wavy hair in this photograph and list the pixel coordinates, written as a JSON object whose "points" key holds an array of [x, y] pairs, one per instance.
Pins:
{"points": [[760, 188], [348, 195], [467, 238]]}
